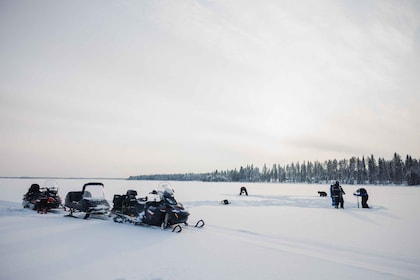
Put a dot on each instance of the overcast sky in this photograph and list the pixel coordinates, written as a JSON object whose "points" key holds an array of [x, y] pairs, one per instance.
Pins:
{"points": [[118, 88]]}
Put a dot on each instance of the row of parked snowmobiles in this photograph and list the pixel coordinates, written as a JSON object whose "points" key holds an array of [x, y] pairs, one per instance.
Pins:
{"points": [[160, 208]]}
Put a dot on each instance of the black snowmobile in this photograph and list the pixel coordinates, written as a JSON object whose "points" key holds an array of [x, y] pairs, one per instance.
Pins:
{"points": [[42, 199], [91, 200], [160, 209]]}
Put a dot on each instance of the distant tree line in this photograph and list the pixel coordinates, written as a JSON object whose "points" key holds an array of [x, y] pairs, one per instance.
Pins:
{"points": [[355, 170]]}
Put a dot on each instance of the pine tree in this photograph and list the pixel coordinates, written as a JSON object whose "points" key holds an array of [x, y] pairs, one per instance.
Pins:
{"points": [[372, 170], [352, 170], [397, 169]]}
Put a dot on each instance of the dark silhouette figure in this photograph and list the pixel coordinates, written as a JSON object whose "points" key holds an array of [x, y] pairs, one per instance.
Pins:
{"points": [[337, 195], [243, 190], [364, 195], [333, 196]]}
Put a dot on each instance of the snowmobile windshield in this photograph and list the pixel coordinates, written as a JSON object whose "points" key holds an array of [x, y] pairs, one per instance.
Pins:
{"points": [[94, 192], [166, 193], [51, 185]]}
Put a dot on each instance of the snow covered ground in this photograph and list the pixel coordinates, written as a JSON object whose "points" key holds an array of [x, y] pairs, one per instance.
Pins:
{"points": [[280, 231]]}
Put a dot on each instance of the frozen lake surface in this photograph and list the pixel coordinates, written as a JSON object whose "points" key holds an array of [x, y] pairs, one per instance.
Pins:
{"points": [[279, 231]]}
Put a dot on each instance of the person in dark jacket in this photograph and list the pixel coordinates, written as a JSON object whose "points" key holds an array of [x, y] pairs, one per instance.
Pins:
{"points": [[337, 193], [333, 197], [362, 192], [243, 190]]}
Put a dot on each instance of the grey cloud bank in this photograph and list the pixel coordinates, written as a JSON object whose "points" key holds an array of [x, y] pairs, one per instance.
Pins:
{"points": [[104, 88]]}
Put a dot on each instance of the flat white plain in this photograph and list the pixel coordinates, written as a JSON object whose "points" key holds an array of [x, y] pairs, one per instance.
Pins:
{"points": [[279, 231]]}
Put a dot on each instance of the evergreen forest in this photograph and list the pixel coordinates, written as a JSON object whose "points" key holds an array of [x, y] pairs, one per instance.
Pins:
{"points": [[397, 171]]}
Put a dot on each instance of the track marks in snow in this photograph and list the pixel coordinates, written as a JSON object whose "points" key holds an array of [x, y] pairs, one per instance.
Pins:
{"points": [[387, 265], [277, 201]]}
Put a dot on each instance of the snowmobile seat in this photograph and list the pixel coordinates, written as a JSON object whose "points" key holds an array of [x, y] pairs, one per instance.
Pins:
{"points": [[131, 193], [34, 188], [73, 198], [33, 192], [130, 198], [71, 201], [118, 201]]}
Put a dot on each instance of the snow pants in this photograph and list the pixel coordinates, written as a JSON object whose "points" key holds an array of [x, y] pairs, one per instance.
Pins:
{"points": [[364, 201], [333, 200], [338, 202]]}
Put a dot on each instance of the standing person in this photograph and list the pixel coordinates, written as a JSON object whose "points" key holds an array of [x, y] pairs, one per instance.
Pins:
{"points": [[362, 192], [333, 197], [341, 195], [337, 195]]}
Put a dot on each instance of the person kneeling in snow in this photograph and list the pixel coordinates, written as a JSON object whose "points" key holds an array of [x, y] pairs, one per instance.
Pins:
{"points": [[243, 190], [362, 193]]}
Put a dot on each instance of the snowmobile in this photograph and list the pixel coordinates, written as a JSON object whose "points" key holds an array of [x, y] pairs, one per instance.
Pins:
{"points": [[42, 199], [160, 209], [91, 200]]}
